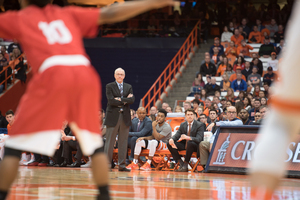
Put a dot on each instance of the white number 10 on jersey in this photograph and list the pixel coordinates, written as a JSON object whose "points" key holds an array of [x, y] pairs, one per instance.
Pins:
{"points": [[56, 32]]}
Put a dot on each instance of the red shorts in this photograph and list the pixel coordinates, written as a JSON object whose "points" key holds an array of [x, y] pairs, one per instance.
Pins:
{"points": [[60, 93]]}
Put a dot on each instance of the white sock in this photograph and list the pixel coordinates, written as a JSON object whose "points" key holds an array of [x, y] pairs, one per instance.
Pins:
{"points": [[135, 161], [149, 161]]}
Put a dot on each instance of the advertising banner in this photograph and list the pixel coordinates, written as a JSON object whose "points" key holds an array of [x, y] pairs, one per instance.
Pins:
{"points": [[233, 148]]}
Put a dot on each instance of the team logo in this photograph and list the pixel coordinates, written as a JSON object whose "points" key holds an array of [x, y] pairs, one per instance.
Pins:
{"points": [[222, 152]]}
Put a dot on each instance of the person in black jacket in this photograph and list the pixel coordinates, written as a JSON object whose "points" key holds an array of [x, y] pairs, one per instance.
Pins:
{"points": [[188, 137], [212, 88], [208, 68], [118, 120]]}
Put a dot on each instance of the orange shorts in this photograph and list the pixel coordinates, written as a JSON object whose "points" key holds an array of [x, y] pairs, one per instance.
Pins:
{"points": [[60, 93]]}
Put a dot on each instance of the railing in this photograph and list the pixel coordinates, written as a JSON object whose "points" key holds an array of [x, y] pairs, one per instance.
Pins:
{"points": [[171, 70], [5, 70]]}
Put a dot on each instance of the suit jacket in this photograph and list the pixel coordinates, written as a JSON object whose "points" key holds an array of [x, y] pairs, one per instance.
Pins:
{"points": [[145, 128], [114, 106], [197, 132]]}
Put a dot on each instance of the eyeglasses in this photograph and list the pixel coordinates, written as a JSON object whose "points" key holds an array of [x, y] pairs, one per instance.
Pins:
{"points": [[120, 74]]}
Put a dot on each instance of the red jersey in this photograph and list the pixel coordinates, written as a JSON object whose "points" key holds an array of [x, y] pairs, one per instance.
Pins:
{"points": [[52, 35]]}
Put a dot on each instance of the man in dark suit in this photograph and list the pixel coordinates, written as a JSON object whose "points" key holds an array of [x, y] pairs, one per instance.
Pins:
{"points": [[119, 97], [140, 127], [188, 137]]}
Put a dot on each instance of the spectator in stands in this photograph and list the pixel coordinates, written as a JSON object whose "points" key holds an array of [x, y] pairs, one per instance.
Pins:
{"points": [[10, 118], [19, 65], [240, 62], [246, 29], [203, 119], [140, 127], [169, 109], [187, 105], [132, 114], [3, 52], [259, 26], [188, 137], [244, 49], [238, 69], [153, 110], [152, 117], [256, 91], [3, 121], [203, 95], [242, 33], [164, 106], [279, 35], [161, 134], [230, 95], [3, 62], [229, 71], [270, 76], [213, 115], [231, 27], [261, 94], [239, 105], [257, 117], [216, 44], [244, 115], [264, 33], [273, 62], [255, 109], [263, 101], [266, 49], [207, 105], [273, 28], [13, 46], [196, 103], [210, 90], [223, 102], [200, 111], [223, 66], [241, 95], [279, 48], [231, 50], [239, 84], [258, 64], [266, 88], [178, 109], [216, 100], [205, 55], [218, 94], [215, 56], [226, 35], [255, 35], [237, 37], [208, 68], [263, 111], [198, 82], [247, 104], [225, 83], [254, 78], [247, 71]]}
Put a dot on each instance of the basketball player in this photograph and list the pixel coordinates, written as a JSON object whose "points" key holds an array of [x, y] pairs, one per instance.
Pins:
{"points": [[64, 85], [283, 123]]}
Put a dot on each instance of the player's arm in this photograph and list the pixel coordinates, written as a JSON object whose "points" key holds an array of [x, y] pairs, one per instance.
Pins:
{"points": [[123, 11]]}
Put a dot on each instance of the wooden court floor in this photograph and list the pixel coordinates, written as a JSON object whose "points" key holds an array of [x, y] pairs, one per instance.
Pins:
{"points": [[67, 183]]}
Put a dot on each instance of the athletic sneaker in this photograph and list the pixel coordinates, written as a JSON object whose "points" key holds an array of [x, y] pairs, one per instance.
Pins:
{"points": [[146, 167], [30, 161], [25, 158], [133, 166], [87, 165]]}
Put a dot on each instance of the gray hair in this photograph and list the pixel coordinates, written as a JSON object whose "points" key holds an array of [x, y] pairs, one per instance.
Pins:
{"points": [[118, 69]]}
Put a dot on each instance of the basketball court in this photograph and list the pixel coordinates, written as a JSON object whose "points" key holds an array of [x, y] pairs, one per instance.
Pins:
{"points": [[69, 183]]}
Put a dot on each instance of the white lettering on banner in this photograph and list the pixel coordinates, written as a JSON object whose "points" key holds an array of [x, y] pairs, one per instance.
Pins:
{"points": [[234, 148], [247, 151], [289, 152], [56, 32], [222, 152], [295, 159]]}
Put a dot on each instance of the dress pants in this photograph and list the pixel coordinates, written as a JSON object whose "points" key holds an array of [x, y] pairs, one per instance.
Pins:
{"points": [[68, 147], [111, 133], [204, 152], [191, 147]]}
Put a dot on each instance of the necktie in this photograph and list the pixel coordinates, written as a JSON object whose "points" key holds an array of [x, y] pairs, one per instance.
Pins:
{"points": [[121, 89], [138, 128], [188, 134]]}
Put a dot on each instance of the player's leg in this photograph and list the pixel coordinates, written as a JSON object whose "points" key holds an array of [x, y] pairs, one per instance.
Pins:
{"points": [[8, 170], [152, 144], [137, 151], [268, 166]]}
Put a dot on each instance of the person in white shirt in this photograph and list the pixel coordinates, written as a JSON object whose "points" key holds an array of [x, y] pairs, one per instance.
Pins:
{"points": [[226, 35], [273, 62]]}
